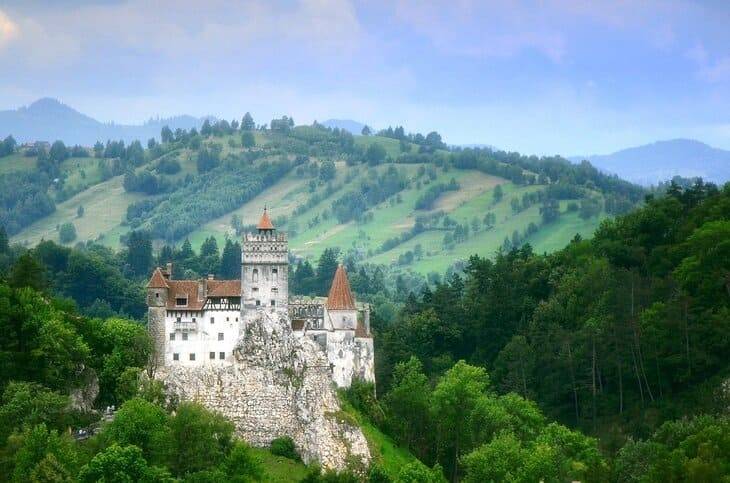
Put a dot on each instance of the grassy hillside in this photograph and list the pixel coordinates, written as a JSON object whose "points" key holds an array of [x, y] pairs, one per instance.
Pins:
{"points": [[302, 204]]}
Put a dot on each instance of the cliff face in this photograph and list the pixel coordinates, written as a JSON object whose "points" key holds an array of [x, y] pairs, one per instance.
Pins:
{"points": [[278, 385]]}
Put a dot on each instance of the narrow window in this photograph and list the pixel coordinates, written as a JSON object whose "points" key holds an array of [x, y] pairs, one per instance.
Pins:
{"points": [[172, 336], [220, 335], [255, 275], [192, 357], [221, 355], [179, 319], [157, 295], [176, 357], [212, 320], [212, 355], [273, 303], [274, 274], [258, 302], [193, 319], [228, 319], [185, 336]]}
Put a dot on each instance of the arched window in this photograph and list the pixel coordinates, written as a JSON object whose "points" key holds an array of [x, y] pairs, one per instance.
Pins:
{"points": [[274, 274], [255, 275]]}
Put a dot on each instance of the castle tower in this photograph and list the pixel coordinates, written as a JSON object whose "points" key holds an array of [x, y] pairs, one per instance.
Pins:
{"points": [[157, 295], [264, 268], [340, 302]]}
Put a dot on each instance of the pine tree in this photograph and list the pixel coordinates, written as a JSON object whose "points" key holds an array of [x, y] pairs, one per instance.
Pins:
{"points": [[231, 261], [4, 242], [326, 267]]}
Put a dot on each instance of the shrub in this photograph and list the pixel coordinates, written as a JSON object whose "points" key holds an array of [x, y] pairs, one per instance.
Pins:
{"points": [[284, 446]]}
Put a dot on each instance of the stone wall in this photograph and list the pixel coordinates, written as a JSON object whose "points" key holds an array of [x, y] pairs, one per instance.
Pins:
{"points": [[278, 384]]}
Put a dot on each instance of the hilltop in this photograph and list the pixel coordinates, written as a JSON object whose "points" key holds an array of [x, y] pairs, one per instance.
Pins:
{"points": [[662, 160], [393, 199], [49, 119]]}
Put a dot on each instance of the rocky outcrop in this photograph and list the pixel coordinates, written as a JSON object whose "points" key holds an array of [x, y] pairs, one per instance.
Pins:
{"points": [[278, 385]]}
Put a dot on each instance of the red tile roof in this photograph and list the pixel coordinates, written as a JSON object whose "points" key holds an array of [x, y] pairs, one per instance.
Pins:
{"points": [[340, 296], [224, 288], [265, 222], [184, 289], [157, 280]]}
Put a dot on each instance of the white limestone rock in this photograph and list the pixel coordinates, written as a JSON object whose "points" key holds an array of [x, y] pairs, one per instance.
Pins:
{"points": [[278, 385]]}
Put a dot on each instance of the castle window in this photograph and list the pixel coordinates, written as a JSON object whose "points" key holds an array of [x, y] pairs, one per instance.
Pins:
{"points": [[274, 290], [212, 320], [212, 355], [181, 301], [255, 289], [192, 356], [228, 319], [176, 357], [185, 336], [221, 355], [157, 295], [220, 335], [255, 275], [172, 336], [273, 303], [258, 302], [179, 319], [274, 274]]}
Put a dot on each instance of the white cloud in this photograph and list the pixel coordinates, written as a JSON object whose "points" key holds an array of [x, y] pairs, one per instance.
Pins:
{"points": [[8, 29]]}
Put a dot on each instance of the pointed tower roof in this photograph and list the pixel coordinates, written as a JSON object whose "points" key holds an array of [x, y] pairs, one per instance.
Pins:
{"points": [[265, 222], [157, 280], [340, 296]]}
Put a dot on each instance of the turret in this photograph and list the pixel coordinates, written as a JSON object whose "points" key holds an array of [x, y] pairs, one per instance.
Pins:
{"points": [[264, 267], [157, 294], [341, 303]]}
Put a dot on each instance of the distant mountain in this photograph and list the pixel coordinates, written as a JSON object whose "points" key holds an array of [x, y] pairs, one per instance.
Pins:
{"points": [[347, 124], [660, 161], [48, 119]]}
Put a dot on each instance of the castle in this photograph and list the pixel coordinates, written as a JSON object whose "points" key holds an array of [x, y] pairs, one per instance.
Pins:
{"points": [[197, 323]]}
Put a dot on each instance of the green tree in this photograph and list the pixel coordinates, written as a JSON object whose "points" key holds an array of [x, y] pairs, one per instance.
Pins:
{"points": [[121, 464], [231, 261], [366, 131], [144, 425], [200, 439], [29, 404], [375, 153], [139, 252], [327, 170], [40, 452], [58, 152], [408, 404], [247, 139], [4, 240], [28, 272], [417, 472], [326, 267], [67, 233], [247, 123], [497, 194], [453, 399]]}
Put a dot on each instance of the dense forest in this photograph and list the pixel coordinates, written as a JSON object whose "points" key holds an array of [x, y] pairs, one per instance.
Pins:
{"points": [[604, 361]]}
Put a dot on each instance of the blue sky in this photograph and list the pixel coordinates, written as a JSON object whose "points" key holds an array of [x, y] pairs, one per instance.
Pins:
{"points": [[543, 76]]}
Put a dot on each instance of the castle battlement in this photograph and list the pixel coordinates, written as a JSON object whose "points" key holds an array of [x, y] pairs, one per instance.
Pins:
{"points": [[201, 322]]}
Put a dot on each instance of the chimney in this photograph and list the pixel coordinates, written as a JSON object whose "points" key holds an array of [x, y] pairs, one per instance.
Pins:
{"points": [[168, 271]]}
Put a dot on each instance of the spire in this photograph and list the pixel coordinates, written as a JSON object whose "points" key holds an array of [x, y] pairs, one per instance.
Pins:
{"points": [[265, 221], [157, 280], [340, 296]]}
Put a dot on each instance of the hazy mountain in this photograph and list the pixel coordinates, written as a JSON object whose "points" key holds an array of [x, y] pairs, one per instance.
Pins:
{"points": [[48, 119], [347, 124], [660, 161]]}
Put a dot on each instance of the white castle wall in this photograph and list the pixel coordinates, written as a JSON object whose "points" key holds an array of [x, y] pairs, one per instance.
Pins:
{"points": [[201, 333]]}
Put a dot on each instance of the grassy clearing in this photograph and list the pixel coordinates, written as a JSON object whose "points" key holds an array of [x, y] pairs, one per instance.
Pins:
{"points": [[278, 469], [383, 449], [16, 162], [105, 206]]}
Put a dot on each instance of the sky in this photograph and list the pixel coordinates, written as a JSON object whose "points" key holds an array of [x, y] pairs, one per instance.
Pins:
{"points": [[541, 77]]}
